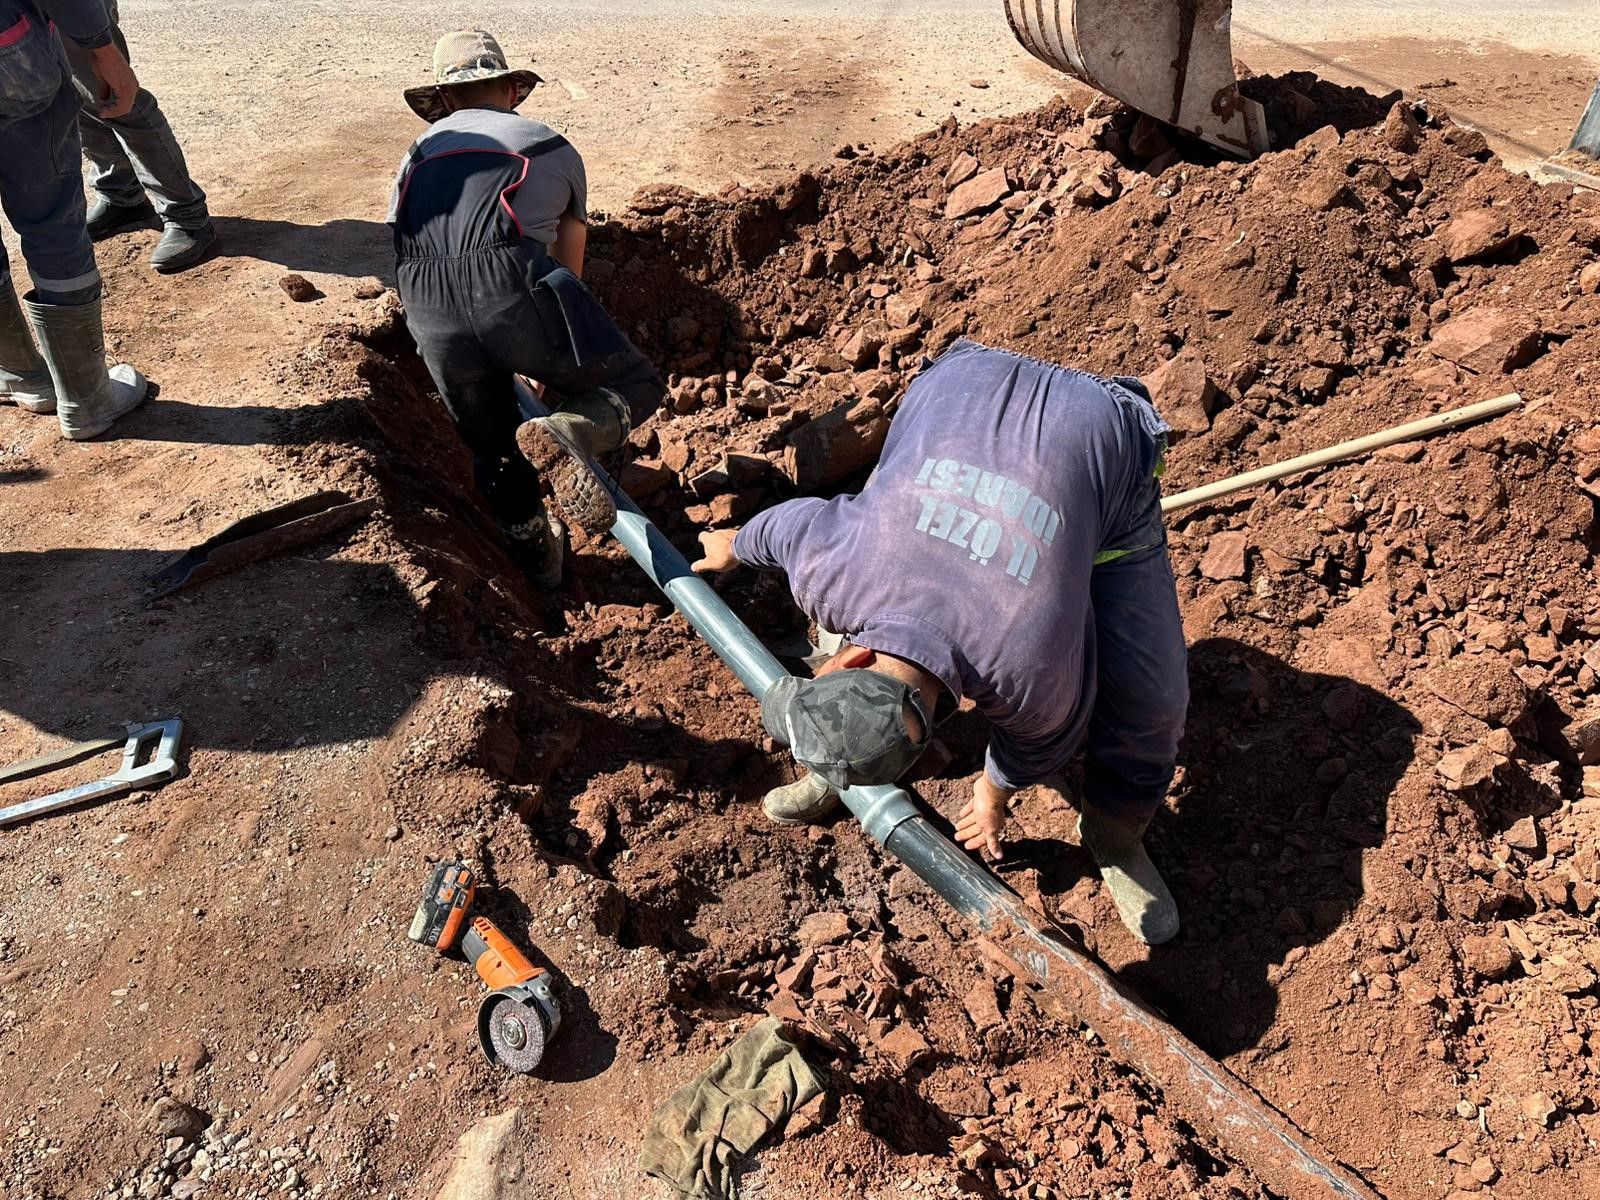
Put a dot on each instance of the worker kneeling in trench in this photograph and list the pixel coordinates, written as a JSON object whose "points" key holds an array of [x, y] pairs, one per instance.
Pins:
{"points": [[1009, 548]]}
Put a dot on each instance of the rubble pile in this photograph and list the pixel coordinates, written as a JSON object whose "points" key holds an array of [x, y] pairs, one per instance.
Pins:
{"points": [[1382, 834]]}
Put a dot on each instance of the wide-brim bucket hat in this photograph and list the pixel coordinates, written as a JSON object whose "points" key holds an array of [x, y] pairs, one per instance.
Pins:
{"points": [[466, 56]]}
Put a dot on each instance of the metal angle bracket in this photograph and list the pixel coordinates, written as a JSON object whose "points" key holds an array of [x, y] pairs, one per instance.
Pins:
{"points": [[149, 756]]}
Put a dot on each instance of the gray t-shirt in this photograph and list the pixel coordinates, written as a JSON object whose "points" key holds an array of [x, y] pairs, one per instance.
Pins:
{"points": [[556, 183]]}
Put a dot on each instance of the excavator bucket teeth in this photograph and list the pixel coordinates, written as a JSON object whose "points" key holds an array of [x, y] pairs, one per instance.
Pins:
{"points": [[1172, 59]]}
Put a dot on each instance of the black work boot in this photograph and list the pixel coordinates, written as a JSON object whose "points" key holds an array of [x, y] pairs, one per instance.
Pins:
{"points": [[1141, 896], [561, 446], [537, 547], [107, 219], [180, 248]]}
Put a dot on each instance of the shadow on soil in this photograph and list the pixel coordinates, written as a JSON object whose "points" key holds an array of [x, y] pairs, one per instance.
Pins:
{"points": [[343, 247], [1288, 776], [298, 650]]}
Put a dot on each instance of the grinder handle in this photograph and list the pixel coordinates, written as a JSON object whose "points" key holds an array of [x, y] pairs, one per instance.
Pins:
{"points": [[498, 963]]}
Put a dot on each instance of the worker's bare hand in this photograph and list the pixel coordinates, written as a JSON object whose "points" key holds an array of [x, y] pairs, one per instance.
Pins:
{"points": [[119, 86], [716, 552], [982, 822]]}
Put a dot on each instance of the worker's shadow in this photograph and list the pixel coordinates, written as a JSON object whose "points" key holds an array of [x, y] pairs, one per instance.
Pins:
{"points": [[1286, 780], [249, 660], [346, 247]]}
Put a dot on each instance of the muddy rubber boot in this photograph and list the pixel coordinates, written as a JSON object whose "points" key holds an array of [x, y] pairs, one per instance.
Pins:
{"points": [[804, 802], [24, 378], [1141, 896], [89, 398], [539, 550], [561, 445]]}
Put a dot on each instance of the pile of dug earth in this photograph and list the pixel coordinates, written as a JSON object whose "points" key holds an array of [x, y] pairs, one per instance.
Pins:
{"points": [[1383, 832]]}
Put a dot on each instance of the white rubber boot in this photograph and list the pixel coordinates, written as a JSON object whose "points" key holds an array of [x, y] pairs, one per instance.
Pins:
{"points": [[89, 398], [24, 378]]}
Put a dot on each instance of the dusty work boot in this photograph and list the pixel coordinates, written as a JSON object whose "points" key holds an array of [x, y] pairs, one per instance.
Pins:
{"points": [[1143, 901], [89, 398], [180, 248], [561, 445], [538, 548], [804, 802], [24, 378], [107, 219]]}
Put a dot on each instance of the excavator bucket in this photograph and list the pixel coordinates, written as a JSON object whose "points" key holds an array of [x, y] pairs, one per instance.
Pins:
{"points": [[1172, 59]]}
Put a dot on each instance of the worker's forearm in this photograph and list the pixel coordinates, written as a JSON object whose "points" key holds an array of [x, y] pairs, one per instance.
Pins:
{"points": [[572, 240], [86, 22]]}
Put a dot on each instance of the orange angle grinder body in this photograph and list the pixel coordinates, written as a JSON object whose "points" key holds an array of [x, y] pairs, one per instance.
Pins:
{"points": [[521, 1013]]}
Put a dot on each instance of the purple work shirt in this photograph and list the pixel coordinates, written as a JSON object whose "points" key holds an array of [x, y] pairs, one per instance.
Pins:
{"points": [[1002, 479]]}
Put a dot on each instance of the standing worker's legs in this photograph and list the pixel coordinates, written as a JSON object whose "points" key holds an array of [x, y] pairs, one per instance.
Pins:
{"points": [[479, 398], [137, 163], [42, 194], [1142, 697]]}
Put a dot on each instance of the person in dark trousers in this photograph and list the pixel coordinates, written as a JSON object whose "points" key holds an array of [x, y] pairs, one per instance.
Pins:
{"points": [[1009, 549], [139, 173], [490, 225], [41, 192]]}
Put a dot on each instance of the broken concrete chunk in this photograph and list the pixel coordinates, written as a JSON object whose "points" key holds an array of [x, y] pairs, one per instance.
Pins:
{"points": [[977, 194]]}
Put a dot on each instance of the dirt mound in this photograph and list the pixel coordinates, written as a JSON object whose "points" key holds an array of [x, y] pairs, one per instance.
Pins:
{"points": [[1383, 830]]}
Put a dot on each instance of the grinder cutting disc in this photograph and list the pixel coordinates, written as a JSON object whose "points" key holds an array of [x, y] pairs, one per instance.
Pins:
{"points": [[513, 1029]]}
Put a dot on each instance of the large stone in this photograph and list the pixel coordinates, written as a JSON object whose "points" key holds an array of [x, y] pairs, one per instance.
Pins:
{"points": [[1225, 557], [981, 192], [1584, 738], [1490, 957], [823, 928], [861, 348], [1401, 130], [1478, 233], [171, 1118], [1184, 394], [1466, 768], [488, 1162], [836, 444], [1483, 687], [1488, 339]]}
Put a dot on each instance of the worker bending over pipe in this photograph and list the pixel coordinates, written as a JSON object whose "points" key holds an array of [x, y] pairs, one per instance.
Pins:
{"points": [[1008, 549]]}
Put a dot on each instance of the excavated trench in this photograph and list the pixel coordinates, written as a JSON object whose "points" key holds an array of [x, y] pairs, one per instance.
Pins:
{"points": [[1390, 661]]}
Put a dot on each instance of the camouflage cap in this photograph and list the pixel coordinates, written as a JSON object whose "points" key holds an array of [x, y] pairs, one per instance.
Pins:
{"points": [[848, 726], [466, 56]]}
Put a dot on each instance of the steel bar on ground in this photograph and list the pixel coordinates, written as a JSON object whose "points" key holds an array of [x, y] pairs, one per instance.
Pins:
{"points": [[1025, 942]]}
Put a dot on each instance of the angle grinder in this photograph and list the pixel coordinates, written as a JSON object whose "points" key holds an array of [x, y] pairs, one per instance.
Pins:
{"points": [[521, 1013]]}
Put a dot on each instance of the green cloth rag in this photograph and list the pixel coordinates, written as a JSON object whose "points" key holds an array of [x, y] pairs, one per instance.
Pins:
{"points": [[696, 1138]]}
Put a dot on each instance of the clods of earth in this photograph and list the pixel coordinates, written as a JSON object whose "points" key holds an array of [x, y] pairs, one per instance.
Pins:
{"points": [[1383, 831]]}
